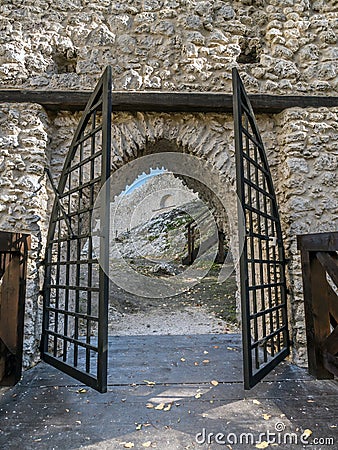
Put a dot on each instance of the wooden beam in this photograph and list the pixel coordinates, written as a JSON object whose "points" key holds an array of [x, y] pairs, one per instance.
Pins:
{"points": [[164, 101], [318, 242]]}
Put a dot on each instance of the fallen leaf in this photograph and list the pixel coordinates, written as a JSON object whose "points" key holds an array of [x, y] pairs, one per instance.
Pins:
{"points": [[205, 361], [149, 405], [307, 433], [81, 391], [160, 406], [216, 346], [129, 445], [263, 444], [149, 383], [311, 401], [198, 395], [256, 402], [167, 408], [146, 444], [266, 416], [214, 382]]}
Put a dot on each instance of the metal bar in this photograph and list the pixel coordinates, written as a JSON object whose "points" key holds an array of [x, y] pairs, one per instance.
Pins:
{"points": [[268, 310], [260, 213], [258, 184], [105, 228], [58, 199], [268, 337], [72, 262], [260, 252], [76, 189], [263, 286], [245, 309], [72, 313], [73, 288], [73, 341], [85, 137], [257, 188], [84, 161], [82, 236]]}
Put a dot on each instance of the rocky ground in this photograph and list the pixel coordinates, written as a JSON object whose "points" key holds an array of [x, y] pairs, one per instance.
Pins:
{"points": [[155, 250]]}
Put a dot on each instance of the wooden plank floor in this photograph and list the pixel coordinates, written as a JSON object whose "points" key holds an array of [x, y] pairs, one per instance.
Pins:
{"points": [[49, 410]]}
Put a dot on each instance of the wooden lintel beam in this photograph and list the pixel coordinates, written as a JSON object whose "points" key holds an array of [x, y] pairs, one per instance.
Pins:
{"points": [[164, 101], [318, 242]]}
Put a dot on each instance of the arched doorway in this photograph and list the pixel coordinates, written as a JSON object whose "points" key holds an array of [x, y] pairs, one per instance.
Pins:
{"points": [[77, 287]]}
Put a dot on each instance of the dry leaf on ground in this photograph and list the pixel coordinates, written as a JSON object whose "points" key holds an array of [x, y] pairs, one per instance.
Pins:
{"points": [[81, 391], [149, 383], [307, 433], [214, 382], [160, 406], [263, 444]]}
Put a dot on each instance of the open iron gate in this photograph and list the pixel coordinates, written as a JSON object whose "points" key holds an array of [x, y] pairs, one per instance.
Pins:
{"points": [[75, 320], [74, 336], [262, 263]]}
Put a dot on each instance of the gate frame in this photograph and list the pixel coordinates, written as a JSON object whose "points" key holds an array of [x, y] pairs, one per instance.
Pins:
{"points": [[241, 104], [101, 94], [100, 383]]}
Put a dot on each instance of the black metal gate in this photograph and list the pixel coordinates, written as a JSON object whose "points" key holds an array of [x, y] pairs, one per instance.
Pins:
{"points": [[74, 336], [262, 263], [76, 291]]}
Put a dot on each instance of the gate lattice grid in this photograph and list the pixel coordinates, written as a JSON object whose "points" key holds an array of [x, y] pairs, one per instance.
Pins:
{"points": [[262, 265], [76, 293]]}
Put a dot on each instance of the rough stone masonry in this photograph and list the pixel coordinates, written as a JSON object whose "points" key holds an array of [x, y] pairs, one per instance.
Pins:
{"points": [[279, 47]]}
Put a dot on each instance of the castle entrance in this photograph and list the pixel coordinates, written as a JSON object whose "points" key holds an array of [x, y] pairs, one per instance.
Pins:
{"points": [[78, 255]]}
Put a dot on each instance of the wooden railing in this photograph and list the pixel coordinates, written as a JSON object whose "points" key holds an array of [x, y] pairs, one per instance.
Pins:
{"points": [[13, 262], [320, 261]]}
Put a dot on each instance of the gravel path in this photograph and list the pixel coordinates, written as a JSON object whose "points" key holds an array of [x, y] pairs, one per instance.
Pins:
{"points": [[190, 320]]}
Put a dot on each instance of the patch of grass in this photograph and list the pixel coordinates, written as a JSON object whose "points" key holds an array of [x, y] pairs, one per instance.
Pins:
{"points": [[152, 238]]}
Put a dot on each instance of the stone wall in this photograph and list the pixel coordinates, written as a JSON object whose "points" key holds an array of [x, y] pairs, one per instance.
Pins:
{"points": [[280, 46], [306, 155], [23, 199], [160, 193]]}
